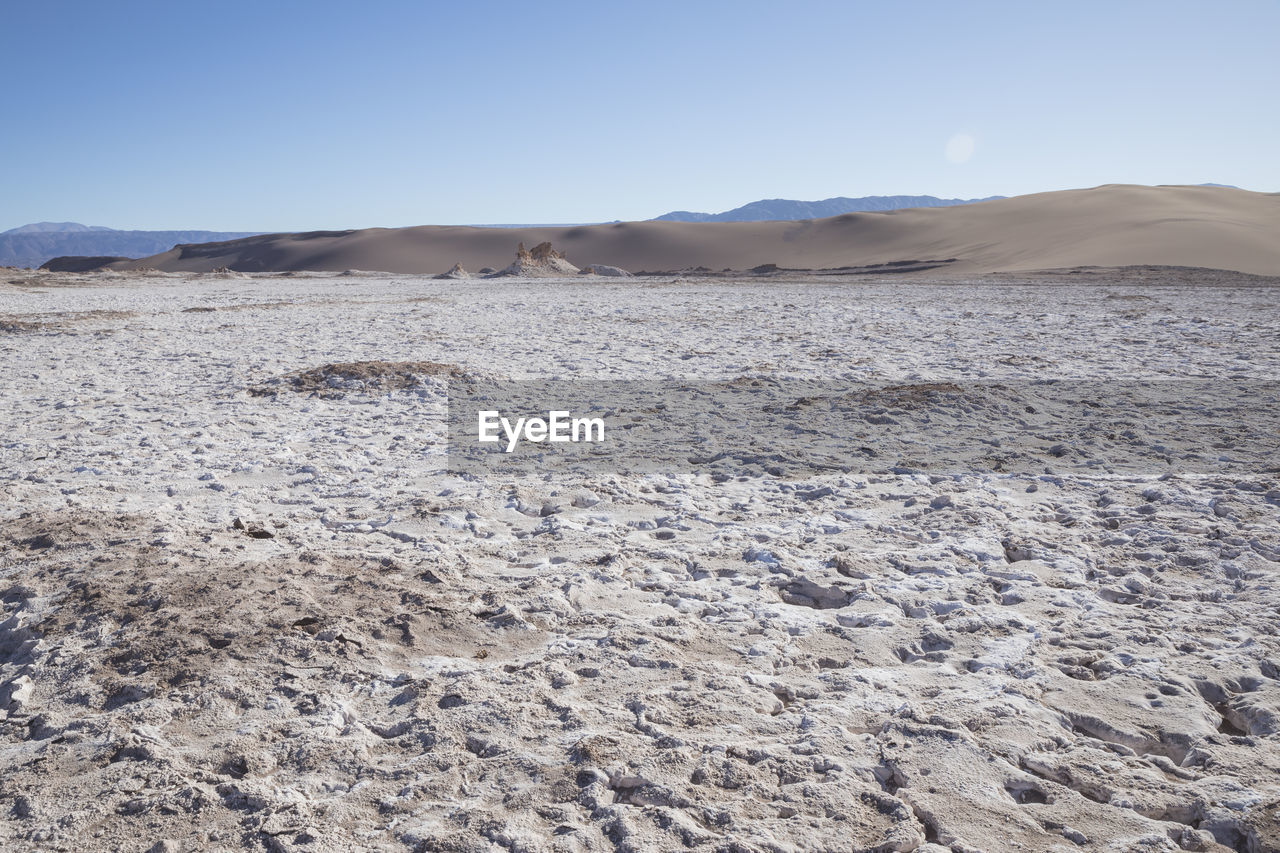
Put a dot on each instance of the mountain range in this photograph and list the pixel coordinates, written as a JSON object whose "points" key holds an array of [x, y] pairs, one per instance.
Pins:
{"points": [[32, 245], [785, 209]]}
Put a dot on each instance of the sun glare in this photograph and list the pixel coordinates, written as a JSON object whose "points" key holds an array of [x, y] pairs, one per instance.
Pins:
{"points": [[960, 148]]}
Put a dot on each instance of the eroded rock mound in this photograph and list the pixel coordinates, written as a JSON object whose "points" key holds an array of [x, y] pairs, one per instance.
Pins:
{"points": [[542, 262], [606, 270], [456, 273], [223, 272]]}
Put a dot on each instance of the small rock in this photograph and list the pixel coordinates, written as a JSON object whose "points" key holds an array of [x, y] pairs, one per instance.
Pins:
{"points": [[561, 677], [605, 270], [1074, 835], [585, 498], [20, 690], [252, 530]]}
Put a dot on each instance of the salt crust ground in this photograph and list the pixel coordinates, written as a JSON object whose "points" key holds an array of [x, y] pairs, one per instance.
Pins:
{"points": [[412, 661]]}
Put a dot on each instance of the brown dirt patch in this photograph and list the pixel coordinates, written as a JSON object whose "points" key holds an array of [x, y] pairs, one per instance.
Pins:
{"points": [[251, 306], [338, 379], [12, 327]]}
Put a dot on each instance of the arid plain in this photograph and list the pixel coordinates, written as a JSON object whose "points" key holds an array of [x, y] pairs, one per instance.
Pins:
{"points": [[247, 607]]}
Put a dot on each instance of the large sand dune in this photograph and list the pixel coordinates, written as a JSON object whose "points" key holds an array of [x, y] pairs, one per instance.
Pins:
{"points": [[1114, 225]]}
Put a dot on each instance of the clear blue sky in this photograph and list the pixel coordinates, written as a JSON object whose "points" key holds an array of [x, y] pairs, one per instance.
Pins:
{"points": [[301, 115]]}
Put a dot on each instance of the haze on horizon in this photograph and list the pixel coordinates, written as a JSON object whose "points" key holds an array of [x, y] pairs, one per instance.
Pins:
{"points": [[295, 116]]}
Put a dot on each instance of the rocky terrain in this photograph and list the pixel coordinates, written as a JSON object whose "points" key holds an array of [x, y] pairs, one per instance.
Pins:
{"points": [[245, 605]]}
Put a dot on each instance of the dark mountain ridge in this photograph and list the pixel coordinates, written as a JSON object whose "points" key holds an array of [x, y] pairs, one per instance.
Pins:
{"points": [[32, 245], [783, 209]]}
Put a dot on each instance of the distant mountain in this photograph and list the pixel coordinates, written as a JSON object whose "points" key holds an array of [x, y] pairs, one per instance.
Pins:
{"points": [[774, 209], [32, 245], [54, 227]]}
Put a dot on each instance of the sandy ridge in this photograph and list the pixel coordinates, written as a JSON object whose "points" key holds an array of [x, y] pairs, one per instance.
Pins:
{"points": [[1112, 225]]}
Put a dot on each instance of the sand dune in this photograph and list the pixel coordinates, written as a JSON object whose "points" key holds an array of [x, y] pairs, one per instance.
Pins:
{"points": [[1114, 225]]}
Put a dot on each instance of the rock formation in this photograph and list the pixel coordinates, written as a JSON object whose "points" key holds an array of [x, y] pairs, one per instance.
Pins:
{"points": [[542, 262], [604, 269], [456, 272]]}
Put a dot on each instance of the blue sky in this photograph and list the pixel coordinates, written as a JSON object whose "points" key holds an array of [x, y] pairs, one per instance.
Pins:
{"points": [[305, 115]]}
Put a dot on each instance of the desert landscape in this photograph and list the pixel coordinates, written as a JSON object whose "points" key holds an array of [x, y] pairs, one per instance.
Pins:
{"points": [[808, 427], [1109, 226], [248, 605]]}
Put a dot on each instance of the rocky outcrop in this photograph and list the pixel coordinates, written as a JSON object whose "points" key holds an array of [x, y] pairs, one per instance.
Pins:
{"points": [[604, 269], [542, 262], [455, 273]]}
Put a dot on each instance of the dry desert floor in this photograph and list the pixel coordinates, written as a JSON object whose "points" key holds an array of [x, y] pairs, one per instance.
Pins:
{"points": [[242, 611]]}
